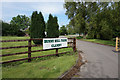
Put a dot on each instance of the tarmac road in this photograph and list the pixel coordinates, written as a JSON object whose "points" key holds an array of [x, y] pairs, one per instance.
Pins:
{"points": [[102, 61]]}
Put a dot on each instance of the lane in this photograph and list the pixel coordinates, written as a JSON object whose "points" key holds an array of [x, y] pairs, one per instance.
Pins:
{"points": [[102, 61]]}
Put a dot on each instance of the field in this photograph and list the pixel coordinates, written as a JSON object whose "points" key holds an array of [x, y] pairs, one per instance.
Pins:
{"points": [[47, 67]]}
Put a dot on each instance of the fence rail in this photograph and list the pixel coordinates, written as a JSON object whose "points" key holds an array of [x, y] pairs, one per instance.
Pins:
{"points": [[117, 48], [30, 51]]}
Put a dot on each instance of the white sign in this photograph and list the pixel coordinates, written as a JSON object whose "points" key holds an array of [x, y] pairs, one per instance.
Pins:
{"points": [[50, 43]]}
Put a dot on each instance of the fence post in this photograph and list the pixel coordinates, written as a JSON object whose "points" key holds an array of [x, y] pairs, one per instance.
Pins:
{"points": [[57, 52], [74, 44], [116, 44], [29, 50]]}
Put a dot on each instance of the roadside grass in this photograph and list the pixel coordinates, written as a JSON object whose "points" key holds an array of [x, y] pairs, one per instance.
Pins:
{"points": [[105, 42], [46, 67], [70, 36]]}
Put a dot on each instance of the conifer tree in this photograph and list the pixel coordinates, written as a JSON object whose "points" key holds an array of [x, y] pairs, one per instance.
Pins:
{"points": [[52, 27], [56, 27], [37, 28]]}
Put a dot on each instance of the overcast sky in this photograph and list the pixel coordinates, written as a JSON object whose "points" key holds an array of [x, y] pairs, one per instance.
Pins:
{"points": [[10, 9]]}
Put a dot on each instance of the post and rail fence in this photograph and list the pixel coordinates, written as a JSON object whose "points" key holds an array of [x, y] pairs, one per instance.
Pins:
{"points": [[117, 48], [29, 46]]}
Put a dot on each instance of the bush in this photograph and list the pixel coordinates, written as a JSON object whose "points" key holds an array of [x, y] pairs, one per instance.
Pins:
{"points": [[90, 35], [63, 30], [20, 33], [105, 32], [79, 37]]}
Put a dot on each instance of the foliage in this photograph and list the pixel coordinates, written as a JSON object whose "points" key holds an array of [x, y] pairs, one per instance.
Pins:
{"points": [[37, 28], [49, 26], [106, 32], [5, 29], [56, 26], [70, 29], [63, 30], [79, 24], [97, 20], [52, 27], [17, 24], [21, 21], [79, 37], [11, 29]]}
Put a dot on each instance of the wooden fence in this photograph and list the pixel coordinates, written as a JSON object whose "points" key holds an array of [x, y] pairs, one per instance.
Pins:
{"points": [[73, 42], [117, 48]]}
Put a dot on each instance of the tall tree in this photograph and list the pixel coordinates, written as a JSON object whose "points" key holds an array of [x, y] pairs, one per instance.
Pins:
{"points": [[76, 12], [79, 24], [52, 27], [21, 20], [50, 30], [56, 27], [37, 28], [94, 18]]}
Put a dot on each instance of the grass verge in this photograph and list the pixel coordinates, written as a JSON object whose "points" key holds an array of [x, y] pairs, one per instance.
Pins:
{"points": [[105, 42]]}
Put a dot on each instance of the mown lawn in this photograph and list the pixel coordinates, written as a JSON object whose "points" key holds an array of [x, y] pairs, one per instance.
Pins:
{"points": [[106, 42], [49, 67]]}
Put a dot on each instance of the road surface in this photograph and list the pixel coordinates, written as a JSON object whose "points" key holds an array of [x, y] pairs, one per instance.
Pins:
{"points": [[102, 61]]}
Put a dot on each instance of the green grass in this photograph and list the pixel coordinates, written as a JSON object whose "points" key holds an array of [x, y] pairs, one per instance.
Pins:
{"points": [[106, 42], [51, 68], [23, 43], [48, 67]]}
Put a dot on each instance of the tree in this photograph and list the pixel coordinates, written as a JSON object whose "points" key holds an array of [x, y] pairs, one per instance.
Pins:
{"points": [[21, 21], [37, 28], [115, 23], [52, 27], [5, 28], [79, 24], [92, 19], [63, 30], [76, 12], [106, 31], [56, 27], [70, 29], [11, 30]]}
